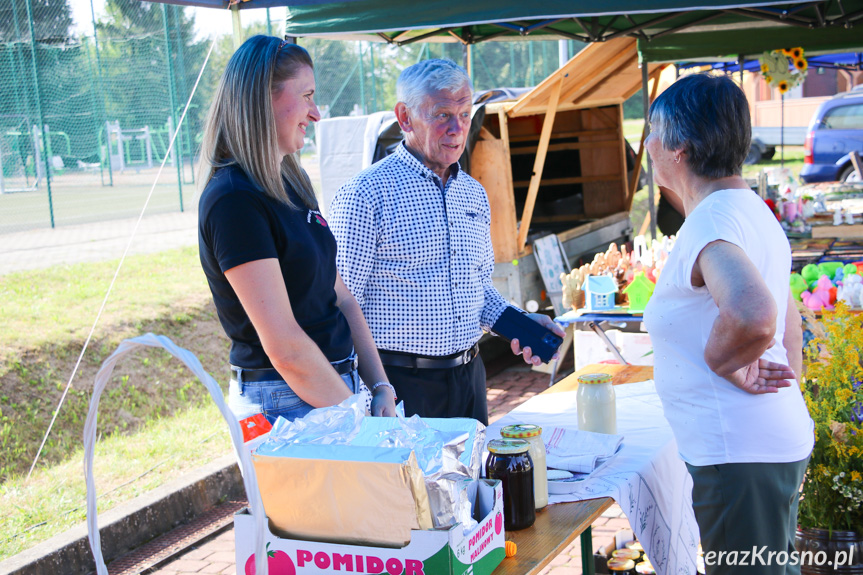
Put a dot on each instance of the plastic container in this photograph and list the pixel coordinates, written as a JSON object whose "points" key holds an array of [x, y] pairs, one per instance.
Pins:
{"points": [[597, 410], [509, 461], [533, 435]]}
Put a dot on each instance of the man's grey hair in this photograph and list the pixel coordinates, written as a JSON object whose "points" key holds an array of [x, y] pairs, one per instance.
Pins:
{"points": [[429, 76], [707, 117]]}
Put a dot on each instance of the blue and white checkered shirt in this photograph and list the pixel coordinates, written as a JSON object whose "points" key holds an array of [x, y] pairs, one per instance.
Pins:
{"points": [[417, 255]]}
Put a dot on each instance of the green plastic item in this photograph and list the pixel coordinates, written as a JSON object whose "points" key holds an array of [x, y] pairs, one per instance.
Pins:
{"points": [[829, 268], [849, 269], [798, 285], [810, 273]]}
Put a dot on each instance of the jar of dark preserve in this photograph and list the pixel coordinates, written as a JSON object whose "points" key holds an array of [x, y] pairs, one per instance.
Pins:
{"points": [[508, 461]]}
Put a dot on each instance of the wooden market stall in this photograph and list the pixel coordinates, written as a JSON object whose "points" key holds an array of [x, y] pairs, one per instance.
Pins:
{"points": [[555, 161]]}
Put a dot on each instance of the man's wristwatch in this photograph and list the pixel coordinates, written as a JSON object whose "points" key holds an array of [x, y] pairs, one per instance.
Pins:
{"points": [[385, 384]]}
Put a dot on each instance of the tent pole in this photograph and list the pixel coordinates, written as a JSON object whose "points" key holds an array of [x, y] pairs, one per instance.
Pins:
{"points": [[740, 61], [237, 25], [782, 130], [645, 98], [362, 80], [562, 52]]}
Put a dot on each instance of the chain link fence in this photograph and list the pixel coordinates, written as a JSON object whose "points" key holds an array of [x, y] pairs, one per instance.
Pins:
{"points": [[86, 118]]}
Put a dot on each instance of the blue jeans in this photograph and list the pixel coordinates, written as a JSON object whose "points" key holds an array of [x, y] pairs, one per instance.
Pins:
{"points": [[276, 399]]}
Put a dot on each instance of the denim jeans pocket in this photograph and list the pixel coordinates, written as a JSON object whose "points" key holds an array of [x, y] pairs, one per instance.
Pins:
{"points": [[282, 399], [272, 398]]}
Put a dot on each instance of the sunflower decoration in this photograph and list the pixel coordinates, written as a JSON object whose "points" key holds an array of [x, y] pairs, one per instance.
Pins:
{"points": [[784, 69]]}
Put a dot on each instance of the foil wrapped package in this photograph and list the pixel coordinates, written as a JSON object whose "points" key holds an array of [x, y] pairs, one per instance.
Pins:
{"points": [[448, 453], [337, 475]]}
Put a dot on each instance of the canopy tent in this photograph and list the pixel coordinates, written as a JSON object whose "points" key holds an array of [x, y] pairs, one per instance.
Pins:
{"points": [[668, 30]]}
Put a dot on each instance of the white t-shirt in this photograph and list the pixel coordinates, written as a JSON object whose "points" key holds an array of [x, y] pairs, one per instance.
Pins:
{"points": [[713, 421]]}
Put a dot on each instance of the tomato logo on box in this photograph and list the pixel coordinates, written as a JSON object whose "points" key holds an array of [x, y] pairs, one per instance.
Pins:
{"points": [[498, 523], [278, 562]]}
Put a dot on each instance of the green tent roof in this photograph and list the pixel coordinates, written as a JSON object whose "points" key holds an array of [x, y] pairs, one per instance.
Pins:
{"points": [[667, 30]]}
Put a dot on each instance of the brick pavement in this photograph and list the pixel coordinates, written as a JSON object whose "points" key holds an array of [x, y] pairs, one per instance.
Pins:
{"points": [[506, 390]]}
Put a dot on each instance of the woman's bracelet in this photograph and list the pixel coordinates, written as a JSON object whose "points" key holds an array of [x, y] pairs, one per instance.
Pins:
{"points": [[385, 384]]}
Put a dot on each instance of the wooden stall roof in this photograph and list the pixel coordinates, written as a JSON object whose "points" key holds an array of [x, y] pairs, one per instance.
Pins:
{"points": [[601, 74]]}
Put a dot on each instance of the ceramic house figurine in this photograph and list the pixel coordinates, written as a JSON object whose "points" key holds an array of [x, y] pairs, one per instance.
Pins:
{"points": [[639, 292], [599, 292]]}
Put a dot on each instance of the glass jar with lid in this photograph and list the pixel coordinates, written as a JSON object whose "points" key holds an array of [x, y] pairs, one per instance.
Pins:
{"points": [[636, 546], [533, 435], [597, 409], [645, 568], [509, 461], [621, 566], [627, 553]]}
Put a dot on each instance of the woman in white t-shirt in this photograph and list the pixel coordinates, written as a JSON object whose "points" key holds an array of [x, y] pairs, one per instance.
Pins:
{"points": [[726, 334]]}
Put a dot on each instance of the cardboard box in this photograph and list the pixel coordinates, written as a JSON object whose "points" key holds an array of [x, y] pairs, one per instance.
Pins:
{"points": [[350, 494], [430, 552]]}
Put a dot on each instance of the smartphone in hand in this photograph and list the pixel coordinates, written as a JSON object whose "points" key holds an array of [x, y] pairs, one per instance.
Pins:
{"points": [[542, 342]]}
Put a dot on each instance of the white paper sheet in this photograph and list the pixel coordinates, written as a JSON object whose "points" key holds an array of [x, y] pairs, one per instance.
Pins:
{"points": [[578, 451]]}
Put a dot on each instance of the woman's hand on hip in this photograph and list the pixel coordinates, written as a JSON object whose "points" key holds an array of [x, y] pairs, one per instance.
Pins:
{"points": [[762, 376]]}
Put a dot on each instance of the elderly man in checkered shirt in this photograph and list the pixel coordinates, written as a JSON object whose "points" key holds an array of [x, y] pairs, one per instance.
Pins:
{"points": [[414, 248]]}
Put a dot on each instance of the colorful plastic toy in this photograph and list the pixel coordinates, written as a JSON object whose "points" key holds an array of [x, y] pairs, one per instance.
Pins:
{"points": [[810, 273]]}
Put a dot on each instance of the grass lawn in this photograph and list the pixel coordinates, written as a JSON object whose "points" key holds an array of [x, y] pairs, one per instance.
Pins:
{"points": [[54, 498], [155, 419]]}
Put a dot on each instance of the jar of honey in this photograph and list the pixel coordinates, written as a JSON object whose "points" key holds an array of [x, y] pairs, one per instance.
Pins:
{"points": [[533, 435], [621, 566], [645, 568], [509, 461], [597, 410], [632, 554]]}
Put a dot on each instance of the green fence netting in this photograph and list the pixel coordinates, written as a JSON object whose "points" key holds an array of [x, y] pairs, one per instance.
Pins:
{"points": [[86, 116]]}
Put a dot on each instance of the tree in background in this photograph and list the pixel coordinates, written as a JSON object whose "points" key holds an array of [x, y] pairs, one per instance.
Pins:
{"points": [[52, 20], [149, 62]]}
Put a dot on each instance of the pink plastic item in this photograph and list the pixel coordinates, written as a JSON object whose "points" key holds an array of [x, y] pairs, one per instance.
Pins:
{"points": [[820, 298], [816, 301]]}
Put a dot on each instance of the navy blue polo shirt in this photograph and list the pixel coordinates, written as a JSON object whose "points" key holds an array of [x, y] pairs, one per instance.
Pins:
{"points": [[237, 224]]}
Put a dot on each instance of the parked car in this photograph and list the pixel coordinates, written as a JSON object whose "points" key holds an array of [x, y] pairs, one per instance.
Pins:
{"points": [[835, 131]]}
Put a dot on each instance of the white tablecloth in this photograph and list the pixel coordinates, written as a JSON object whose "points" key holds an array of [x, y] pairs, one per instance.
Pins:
{"points": [[647, 477]]}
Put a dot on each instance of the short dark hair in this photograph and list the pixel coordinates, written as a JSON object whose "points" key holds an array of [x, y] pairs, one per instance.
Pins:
{"points": [[708, 117]]}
